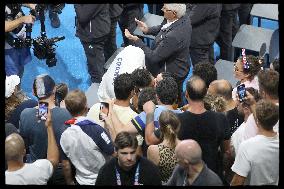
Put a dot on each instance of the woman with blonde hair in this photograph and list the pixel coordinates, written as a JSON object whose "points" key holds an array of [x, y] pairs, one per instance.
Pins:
{"points": [[163, 154]]}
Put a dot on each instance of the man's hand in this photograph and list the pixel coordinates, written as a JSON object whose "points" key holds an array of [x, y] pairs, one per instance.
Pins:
{"points": [[129, 36], [30, 5], [143, 27], [149, 107], [249, 99], [48, 122], [28, 19]]}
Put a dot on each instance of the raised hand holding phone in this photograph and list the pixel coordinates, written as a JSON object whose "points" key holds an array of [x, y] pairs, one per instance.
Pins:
{"points": [[104, 110], [48, 122], [241, 91]]}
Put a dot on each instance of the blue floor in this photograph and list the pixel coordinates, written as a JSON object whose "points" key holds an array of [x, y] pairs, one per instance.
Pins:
{"points": [[71, 65]]}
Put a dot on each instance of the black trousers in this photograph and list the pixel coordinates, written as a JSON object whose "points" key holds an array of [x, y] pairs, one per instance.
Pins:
{"points": [[244, 14], [227, 34], [202, 54], [127, 21], [95, 58], [110, 44]]}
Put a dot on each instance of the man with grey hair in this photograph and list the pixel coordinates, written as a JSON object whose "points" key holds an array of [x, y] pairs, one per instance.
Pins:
{"points": [[170, 49], [191, 170]]}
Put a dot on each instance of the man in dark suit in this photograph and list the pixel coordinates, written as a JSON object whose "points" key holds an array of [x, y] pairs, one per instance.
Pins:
{"points": [[228, 30], [169, 52], [92, 28], [205, 21]]}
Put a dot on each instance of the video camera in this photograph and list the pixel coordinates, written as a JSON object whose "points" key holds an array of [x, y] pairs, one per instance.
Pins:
{"points": [[42, 46]]}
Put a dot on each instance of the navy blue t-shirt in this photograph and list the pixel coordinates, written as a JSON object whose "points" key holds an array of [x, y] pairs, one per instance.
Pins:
{"points": [[34, 131]]}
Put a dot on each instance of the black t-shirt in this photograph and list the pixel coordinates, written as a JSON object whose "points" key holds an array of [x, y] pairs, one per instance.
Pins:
{"points": [[235, 119], [148, 173], [209, 129]]}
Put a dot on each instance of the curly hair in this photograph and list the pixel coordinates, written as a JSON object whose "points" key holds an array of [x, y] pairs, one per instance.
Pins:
{"points": [[145, 95], [205, 71], [214, 103], [141, 77], [167, 90], [254, 66], [123, 86]]}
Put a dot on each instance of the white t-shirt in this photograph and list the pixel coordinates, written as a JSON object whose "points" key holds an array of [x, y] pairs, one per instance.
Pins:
{"points": [[126, 61], [86, 145], [36, 173], [237, 137], [124, 114], [258, 160]]}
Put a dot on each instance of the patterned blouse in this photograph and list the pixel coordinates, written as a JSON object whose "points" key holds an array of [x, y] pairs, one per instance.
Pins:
{"points": [[167, 161]]}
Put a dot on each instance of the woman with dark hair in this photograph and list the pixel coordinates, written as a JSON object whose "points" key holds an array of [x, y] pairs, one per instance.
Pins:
{"points": [[163, 154]]}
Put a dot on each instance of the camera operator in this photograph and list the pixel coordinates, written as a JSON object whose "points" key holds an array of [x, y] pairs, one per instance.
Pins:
{"points": [[15, 22], [54, 10]]}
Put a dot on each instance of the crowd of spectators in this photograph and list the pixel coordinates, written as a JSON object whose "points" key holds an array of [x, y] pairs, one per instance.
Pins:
{"points": [[147, 134]]}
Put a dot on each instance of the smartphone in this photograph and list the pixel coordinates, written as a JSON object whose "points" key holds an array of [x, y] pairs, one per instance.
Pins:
{"points": [[241, 90], [42, 110], [104, 108]]}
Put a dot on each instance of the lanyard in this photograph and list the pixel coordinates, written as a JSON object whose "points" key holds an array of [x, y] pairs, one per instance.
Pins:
{"points": [[118, 181]]}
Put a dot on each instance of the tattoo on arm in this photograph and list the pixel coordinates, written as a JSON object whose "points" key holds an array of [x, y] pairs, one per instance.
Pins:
{"points": [[149, 118]]}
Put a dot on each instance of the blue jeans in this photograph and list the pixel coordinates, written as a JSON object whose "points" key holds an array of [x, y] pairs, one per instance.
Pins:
{"points": [[15, 60]]}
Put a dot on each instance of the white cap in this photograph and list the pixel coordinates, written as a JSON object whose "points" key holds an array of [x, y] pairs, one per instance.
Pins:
{"points": [[11, 82]]}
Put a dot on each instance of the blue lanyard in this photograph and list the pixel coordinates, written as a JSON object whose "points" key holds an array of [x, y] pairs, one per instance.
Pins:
{"points": [[118, 180]]}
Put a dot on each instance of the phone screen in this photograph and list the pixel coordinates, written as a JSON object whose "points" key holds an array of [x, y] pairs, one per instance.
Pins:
{"points": [[104, 108], [241, 92], [42, 110]]}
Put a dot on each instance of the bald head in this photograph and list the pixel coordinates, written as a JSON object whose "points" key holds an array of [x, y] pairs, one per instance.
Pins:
{"points": [[14, 147], [189, 150], [196, 88], [221, 87]]}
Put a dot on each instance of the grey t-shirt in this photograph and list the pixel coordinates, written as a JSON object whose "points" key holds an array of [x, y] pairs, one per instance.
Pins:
{"points": [[34, 131], [206, 178]]}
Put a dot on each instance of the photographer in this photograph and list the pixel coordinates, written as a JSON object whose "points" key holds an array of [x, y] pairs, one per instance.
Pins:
{"points": [[15, 22]]}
